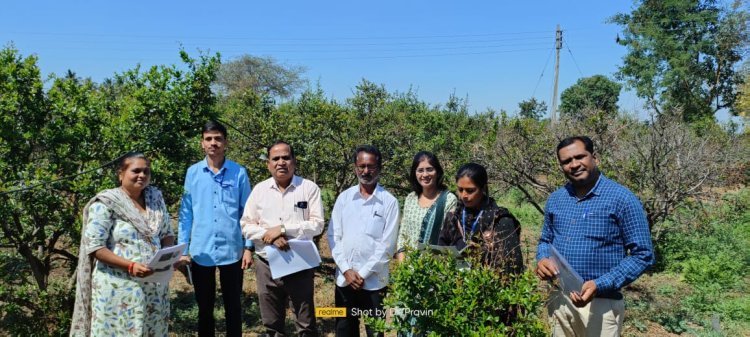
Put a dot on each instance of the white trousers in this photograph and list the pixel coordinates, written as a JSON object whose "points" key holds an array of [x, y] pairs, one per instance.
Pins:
{"points": [[600, 317]]}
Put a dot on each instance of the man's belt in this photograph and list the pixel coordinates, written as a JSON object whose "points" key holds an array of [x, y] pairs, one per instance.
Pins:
{"points": [[261, 259], [612, 295]]}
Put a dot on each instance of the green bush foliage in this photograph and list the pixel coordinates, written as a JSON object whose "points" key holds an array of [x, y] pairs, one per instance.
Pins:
{"points": [[711, 244], [26, 311], [57, 147], [708, 247], [453, 302], [73, 126]]}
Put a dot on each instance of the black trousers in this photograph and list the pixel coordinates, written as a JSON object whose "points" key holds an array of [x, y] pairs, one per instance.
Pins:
{"points": [[358, 303], [273, 295], [204, 281]]}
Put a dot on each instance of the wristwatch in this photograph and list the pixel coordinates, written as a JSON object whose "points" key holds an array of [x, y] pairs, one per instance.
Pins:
{"points": [[283, 230]]}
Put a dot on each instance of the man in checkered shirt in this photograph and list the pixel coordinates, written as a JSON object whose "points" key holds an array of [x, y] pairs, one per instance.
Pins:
{"points": [[600, 228]]}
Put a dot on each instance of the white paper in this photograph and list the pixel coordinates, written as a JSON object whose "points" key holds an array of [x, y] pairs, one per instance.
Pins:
{"points": [[302, 255], [567, 278], [162, 264]]}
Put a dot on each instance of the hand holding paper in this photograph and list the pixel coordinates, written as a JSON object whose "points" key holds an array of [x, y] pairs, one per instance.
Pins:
{"points": [[162, 264], [301, 255], [567, 278]]}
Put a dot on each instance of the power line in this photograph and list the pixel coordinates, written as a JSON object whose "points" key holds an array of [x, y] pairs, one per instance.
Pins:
{"points": [[231, 126], [304, 44], [326, 50], [420, 55], [574, 60], [214, 38], [113, 161], [542, 74]]}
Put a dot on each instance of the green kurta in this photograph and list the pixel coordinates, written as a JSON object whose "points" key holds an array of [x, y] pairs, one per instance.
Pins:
{"points": [[410, 231]]}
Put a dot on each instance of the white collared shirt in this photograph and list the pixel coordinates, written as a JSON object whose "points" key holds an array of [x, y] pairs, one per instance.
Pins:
{"points": [[362, 235], [299, 208]]}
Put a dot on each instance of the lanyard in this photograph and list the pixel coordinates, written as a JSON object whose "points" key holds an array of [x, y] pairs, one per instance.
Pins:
{"points": [[473, 226]]}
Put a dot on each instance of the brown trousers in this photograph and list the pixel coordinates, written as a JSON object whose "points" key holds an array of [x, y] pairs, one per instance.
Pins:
{"points": [[273, 296]]}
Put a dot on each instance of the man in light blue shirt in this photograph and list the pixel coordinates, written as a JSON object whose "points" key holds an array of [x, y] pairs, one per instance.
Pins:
{"points": [[362, 236], [215, 193]]}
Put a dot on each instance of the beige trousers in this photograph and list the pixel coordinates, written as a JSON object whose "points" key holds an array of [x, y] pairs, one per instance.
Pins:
{"points": [[600, 317]]}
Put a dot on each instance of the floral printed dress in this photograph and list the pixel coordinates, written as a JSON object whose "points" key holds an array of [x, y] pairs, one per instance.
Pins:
{"points": [[120, 304], [412, 218]]}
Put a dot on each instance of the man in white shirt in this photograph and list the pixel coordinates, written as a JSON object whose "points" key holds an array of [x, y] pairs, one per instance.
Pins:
{"points": [[283, 207], [362, 235]]}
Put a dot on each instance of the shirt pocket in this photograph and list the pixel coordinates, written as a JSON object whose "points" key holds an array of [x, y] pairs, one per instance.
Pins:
{"points": [[229, 195], [600, 226], [375, 227]]}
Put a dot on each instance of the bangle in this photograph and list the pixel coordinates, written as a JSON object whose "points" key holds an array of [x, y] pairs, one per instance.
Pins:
{"points": [[130, 268]]}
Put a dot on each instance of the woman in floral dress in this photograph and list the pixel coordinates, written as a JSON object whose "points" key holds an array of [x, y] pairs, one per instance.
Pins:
{"points": [[122, 229]]}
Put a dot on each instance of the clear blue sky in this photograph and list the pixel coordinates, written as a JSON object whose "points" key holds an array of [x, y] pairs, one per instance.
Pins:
{"points": [[494, 52]]}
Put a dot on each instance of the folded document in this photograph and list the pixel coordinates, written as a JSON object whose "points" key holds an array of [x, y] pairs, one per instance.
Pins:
{"points": [[302, 255]]}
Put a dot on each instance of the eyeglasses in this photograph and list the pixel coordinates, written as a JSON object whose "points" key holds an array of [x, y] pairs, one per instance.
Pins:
{"points": [[361, 168], [426, 170]]}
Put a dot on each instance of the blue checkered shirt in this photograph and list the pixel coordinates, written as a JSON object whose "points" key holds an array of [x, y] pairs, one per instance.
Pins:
{"points": [[604, 235]]}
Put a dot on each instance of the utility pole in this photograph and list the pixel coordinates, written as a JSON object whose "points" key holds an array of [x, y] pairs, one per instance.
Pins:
{"points": [[558, 46]]}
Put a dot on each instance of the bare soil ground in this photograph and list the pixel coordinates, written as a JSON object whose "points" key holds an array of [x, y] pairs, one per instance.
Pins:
{"points": [[182, 294]]}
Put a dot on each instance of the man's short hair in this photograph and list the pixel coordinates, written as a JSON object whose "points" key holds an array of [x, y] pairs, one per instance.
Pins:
{"points": [[214, 126], [587, 142], [371, 150], [291, 149]]}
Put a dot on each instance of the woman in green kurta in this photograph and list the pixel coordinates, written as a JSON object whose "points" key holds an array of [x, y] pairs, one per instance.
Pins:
{"points": [[425, 207], [122, 229]]}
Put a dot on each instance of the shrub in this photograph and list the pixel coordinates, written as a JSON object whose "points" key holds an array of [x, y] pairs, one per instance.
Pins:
{"points": [[448, 301], [708, 246], [26, 311]]}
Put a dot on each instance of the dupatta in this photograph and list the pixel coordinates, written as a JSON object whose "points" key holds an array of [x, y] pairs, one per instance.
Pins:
{"points": [[433, 220], [122, 207]]}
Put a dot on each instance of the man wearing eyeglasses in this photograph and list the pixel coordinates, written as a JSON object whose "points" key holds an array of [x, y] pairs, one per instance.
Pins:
{"points": [[362, 235]]}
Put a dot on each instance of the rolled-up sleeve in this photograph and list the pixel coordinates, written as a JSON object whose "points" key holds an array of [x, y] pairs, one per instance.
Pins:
{"points": [[98, 227], [250, 220]]}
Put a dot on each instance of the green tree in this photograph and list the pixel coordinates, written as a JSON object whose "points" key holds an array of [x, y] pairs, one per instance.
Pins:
{"points": [[325, 132], [262, 75], [368, 97], [46, 136], [532, 108], [742, 104], [597, 93], [56, 149], [682, 54]]}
